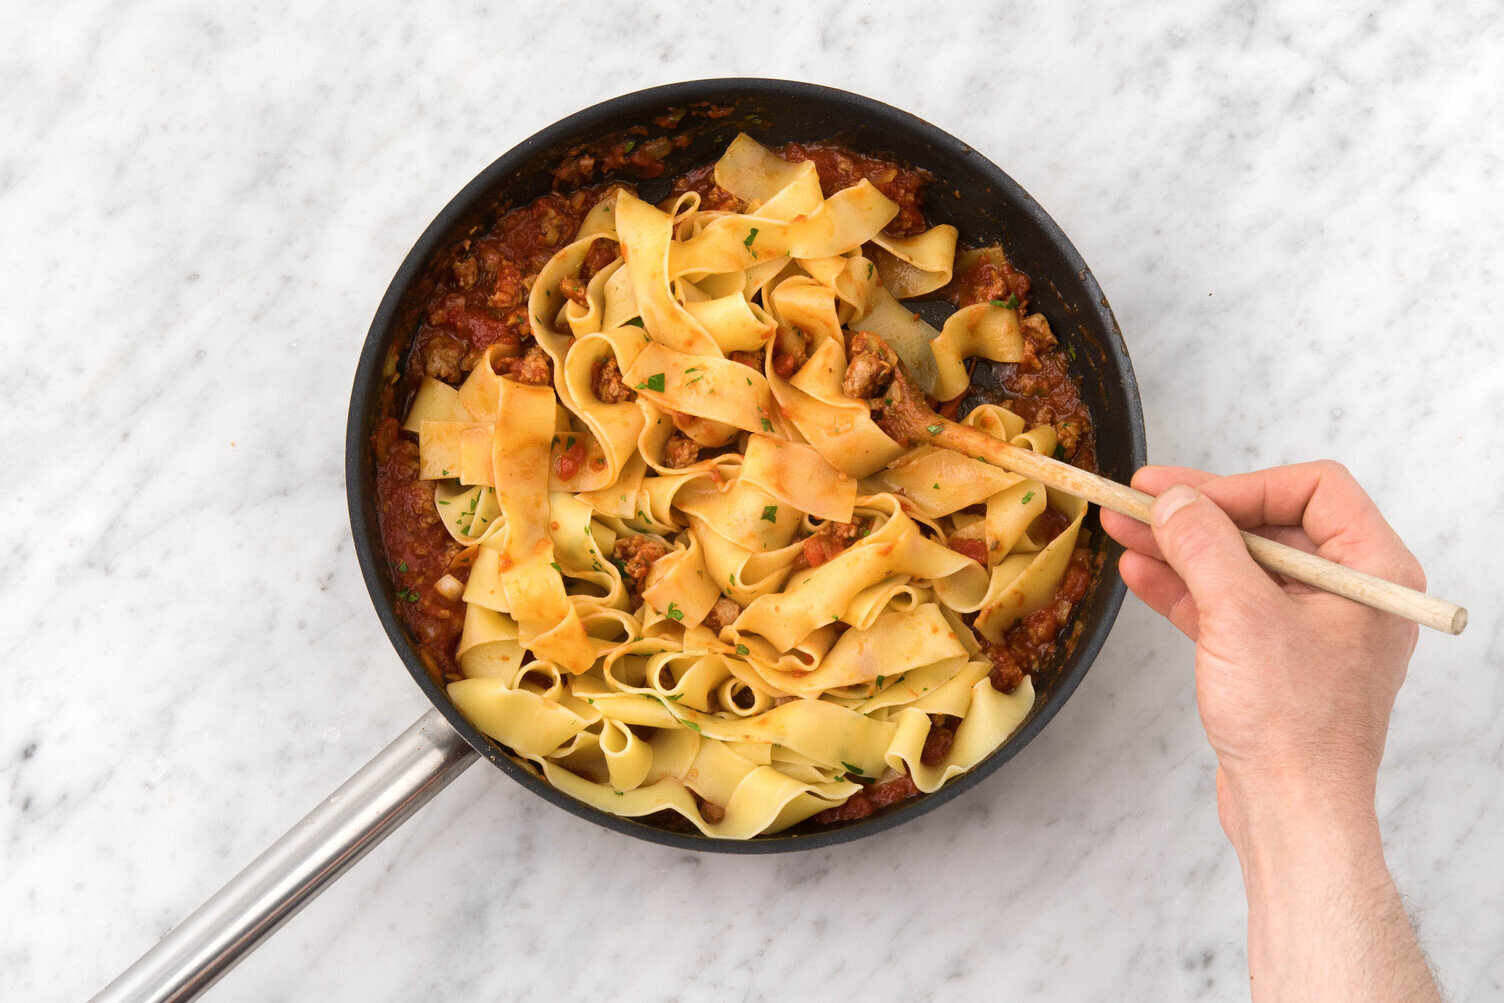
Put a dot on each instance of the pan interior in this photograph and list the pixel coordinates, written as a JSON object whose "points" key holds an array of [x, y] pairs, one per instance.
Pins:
{"points": [[966, 190]]}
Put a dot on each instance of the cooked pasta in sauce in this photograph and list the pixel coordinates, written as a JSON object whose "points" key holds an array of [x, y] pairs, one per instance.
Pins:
{"points": [[645, 527]]}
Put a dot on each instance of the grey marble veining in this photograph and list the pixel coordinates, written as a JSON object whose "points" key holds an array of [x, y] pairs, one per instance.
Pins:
{"points": [[1295, 211]]}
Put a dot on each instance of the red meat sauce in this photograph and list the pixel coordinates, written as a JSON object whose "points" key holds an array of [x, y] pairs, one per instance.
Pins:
{"points": [[480, 300], [1040, 389]]}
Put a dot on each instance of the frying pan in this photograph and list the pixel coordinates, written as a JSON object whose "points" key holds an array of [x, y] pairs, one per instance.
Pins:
{"points": [[967, 190]]}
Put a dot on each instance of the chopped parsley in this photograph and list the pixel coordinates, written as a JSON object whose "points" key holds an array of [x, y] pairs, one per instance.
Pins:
{"points": [[691, 724], [852, 769], [628, 149], [932, 429], [1011, 303], [674, 612], [1028, 497], [402, 567], [750, 237], [770, 513], [936, 486], [555, 566], [767, 426], [1059, 451], [443, 502], [869, 269], [655, 382], [636, 322], [1070, 352], [880, 681], [410, 595], [569, 443], [742, 649]]}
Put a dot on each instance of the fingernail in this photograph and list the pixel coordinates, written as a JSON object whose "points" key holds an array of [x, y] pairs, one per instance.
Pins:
{"points": [[1169, 502]]}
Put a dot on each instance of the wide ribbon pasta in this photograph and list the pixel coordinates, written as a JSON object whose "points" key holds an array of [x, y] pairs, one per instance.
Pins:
{"points": [[701, 578]]}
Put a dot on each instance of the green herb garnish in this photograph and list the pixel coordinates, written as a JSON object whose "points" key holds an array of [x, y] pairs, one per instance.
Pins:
{"points": [[932, 429], [636, 322], [1028, 497], [674, 612], [655, 382], [852, 769], [742, 649], [770, 513], [750, 237]]}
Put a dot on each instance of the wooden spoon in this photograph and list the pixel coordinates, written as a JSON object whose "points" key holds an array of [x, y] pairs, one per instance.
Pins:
{"points": [[902, 412]]}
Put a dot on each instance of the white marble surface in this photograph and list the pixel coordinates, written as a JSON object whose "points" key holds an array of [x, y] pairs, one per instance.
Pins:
{"points": [[1296, 214]]}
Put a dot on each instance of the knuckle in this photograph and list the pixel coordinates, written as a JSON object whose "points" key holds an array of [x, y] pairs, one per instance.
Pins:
{"points": [[1333, 468], [1194, 539]]}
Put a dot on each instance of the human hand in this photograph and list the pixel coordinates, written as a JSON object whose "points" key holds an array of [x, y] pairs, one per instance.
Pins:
{"points": [[1295, 686]]}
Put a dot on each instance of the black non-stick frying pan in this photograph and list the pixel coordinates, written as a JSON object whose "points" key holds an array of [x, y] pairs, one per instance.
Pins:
{"points": [[967, 191]]}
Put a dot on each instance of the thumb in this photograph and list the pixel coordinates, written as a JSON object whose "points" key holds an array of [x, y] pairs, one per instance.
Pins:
{"points": [[1201, 543]]}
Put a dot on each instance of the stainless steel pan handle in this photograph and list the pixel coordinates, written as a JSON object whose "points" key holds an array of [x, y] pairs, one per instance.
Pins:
{"points": [[258, 900]]}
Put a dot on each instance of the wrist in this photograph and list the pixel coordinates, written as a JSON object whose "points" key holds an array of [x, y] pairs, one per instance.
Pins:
{"points": [[1295, 831], [1286, 810], [1319, 894]]}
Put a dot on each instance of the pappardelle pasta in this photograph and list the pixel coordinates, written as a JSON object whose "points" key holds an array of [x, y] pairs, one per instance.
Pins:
{"points": [[687, 571]]}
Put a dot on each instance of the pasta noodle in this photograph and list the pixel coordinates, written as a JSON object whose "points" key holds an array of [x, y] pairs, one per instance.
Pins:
{"points": [[701, 579]]}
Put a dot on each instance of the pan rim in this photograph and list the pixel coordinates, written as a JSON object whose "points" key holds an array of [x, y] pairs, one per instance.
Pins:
{"points": [[366, 383]]}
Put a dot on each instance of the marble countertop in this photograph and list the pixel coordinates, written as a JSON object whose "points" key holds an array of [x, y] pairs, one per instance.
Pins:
{"points": [[1297, 217]]}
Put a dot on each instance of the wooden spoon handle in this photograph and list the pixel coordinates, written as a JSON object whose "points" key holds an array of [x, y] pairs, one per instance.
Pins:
{"points": [[1426, 610]]}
